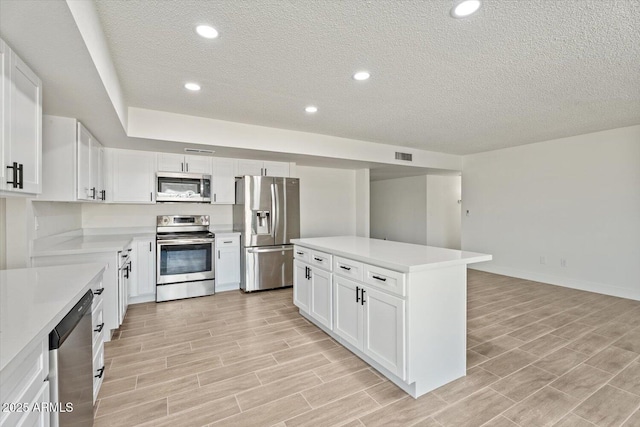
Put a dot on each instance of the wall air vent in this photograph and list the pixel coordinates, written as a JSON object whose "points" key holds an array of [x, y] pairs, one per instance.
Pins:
{"points": [[404, 156], [198, 151]]}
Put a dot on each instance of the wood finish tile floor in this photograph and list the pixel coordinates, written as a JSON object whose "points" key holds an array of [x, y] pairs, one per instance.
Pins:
{"points": [[538, 355]]}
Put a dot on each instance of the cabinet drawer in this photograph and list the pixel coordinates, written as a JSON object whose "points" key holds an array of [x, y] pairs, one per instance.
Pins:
{"points": [[347, 268], [98, 294], [223, 242], [98, 370], [97, 323], [388, 280], [321, 259], [302, 254]]}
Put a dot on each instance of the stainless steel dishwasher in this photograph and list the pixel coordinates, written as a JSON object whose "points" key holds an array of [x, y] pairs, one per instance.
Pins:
{"points": [[71, 367]]}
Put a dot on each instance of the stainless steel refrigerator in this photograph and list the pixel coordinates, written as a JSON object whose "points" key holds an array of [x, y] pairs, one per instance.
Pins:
{"points": [[267, 214]]}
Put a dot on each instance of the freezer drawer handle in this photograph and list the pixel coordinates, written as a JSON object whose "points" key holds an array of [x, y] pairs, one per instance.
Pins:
{"points": [[344, 267], [259, 251], [384, 279], [98, 291], [100, 373], [99, 328]]}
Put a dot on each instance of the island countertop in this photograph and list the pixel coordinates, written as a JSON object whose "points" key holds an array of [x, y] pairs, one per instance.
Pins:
{"points": [[34, 300], [398, 256]]}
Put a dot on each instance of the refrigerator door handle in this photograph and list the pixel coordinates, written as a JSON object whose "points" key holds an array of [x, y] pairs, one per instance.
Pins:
{"points": [[275, 215]]}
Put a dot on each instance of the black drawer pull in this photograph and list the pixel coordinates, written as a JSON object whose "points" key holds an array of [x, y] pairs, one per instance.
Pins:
{"points": [[345, 268], [100, 373], [300, 253], [317, 259], [99, 328], [357, 292], [384, 279], [98, 291], [227, 241]]}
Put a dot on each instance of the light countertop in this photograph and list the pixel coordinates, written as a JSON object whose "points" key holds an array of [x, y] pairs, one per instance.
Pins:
{"points": [[403, 257], [34, 300], [90, 244]]}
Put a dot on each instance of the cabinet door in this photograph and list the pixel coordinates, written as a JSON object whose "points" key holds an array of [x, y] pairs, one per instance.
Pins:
{"points": [[276, 169], [96, 169], [144, 271], [301, 286], [321, 301], [23, 126], [198, 164], [348, 312], [133, 176], [4, 111], [171, 162], [85, 162], [40, 418], [384, 330], [223, 182], [228, 265], [250, 167]]}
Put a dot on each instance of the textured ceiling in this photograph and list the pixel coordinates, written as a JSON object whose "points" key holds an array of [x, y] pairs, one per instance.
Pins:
{"points": [[516, 72]]}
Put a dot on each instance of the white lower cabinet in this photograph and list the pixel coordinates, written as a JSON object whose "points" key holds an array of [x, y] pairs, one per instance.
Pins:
{"points": [[25, 388], [312, 292], [227, 261], [142, 286], [348, 313]]}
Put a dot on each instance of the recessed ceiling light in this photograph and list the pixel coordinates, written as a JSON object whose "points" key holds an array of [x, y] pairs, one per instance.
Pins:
{"points": [[207, 31], [192, 86], [465, 8], [311, 109], [361, 75]]}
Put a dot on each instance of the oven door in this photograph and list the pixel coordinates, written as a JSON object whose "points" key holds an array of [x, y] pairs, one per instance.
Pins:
{"points": [[185, 261]]}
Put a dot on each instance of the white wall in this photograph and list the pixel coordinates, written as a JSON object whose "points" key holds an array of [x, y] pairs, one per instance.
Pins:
{"points": [[443, 211], [56, 217], [96, 215], [363, 209], [399, 209], [3, 240], [575, 198], [327, 201], [18, 232]]}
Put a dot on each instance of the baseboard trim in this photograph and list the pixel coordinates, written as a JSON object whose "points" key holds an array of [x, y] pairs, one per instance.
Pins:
{"points": [[582, 285], [139, 299]]}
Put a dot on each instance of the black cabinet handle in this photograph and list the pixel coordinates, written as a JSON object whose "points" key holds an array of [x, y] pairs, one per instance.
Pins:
{"points": [[99, 327], [362, 301], [228, 241], [20, 176], [130, 266], [214, 197], [218, 254], [345, 268], [151, 197], [98, 291], [126, 272], [300, 253], [14, 175], [150, 247], [317, 259], [93, 193], [100, 373], [357, 292], [103, 194], [383, 279]]}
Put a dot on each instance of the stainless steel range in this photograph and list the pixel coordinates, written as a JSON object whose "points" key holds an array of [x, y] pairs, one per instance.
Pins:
{"points": [[185, 264]]}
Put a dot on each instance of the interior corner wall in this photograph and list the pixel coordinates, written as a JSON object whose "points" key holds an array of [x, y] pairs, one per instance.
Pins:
{"points": [[443, 211], [327, 201], [18, 236], [56, 217], [575, 199], [399, 209], [363, 197]]}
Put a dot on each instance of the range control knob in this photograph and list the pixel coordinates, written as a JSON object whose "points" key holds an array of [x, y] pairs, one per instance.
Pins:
{"points": [[165, 220], [203, 220]]}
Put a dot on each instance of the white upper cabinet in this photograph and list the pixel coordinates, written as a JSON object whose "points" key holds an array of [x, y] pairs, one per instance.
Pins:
{"points": [[260, 168], [132, 176], [168, 162], [223, 181], [21, 119], [72, 166]]}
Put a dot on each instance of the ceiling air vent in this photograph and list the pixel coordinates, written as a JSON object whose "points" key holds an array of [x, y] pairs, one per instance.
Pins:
{"points": [[198, 151], [404, 156]]}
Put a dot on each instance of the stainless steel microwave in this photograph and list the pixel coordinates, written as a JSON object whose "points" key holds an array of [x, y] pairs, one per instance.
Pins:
{"points": [[183, 187]]}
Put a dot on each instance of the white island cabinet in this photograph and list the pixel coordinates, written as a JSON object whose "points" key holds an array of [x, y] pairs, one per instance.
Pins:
{"points": [[400, 307]]}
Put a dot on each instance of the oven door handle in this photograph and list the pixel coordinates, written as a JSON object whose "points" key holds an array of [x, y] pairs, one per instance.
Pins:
{"points": [[184, 241], [263, 250]]}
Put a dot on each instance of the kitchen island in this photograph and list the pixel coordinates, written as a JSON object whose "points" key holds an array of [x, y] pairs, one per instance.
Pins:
{"points": [[400, 307]]}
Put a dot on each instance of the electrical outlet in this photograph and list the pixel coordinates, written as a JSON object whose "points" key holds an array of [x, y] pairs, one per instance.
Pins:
{"points": [[563, 262], [543, 259]]}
